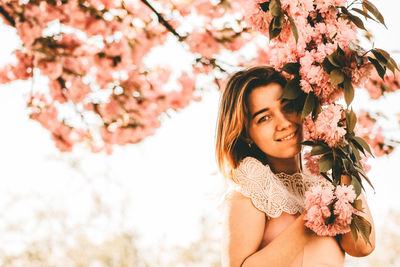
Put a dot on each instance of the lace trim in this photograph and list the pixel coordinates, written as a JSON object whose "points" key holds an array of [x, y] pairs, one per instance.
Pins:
{"points": [[274, 193]]}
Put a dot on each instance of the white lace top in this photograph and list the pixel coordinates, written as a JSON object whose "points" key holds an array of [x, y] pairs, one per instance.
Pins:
{"points": [[274, 193]]}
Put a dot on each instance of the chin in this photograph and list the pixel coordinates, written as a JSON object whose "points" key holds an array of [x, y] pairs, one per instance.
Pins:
{"points": [[291, 153]]}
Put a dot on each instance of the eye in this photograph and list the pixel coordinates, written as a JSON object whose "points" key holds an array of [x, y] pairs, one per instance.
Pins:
{"points": [[289, 107], [264, 118]]}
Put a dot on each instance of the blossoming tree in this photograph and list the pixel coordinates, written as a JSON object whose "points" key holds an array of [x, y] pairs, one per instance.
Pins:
{"points": [[94, 53]]}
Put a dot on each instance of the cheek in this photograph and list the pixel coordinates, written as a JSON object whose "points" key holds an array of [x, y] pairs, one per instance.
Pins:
{"points": [[261, 134], [294, 118]]}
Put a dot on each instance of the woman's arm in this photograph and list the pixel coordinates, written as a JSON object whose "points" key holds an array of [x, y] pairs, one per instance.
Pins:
{"points": [[359, 248], [243, 230]]}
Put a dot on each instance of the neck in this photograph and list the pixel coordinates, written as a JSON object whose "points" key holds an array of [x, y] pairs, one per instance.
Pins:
{"points": [[289, 166]]}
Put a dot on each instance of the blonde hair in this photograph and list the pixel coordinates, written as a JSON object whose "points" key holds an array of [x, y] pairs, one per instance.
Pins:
{"points": [[232, 139]]}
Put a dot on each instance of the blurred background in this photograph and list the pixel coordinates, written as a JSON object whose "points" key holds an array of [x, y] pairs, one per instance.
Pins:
{"points": [[152, 203]]}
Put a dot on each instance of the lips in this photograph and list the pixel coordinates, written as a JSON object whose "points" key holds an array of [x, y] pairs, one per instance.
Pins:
{"points": [[288, 137]]}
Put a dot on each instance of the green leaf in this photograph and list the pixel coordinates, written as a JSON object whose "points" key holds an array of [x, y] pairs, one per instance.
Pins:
{"points": [[274, 31], [380, 69], [337, 58], [364, 226], [264, 6], [351, 120], [361, 171], [294, 28], [348, 91], [354, 229], [319, 149], [275, 8], [379, 56], [359, 146], [371, 8], [332, 61], [291, 68], [356, 20], [317, 109], [337, 169], [309, 105], [326, 177], [292, 89], [392, 65], [363, 144], [356, 184], [337, 77], [325, 163], [327, 65], [308, 143], [345, 163], [365, 14], [355, 151], [340, 51], [279, 21]]}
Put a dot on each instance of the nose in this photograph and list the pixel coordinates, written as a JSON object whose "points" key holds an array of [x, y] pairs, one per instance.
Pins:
{"points": [[282, 123]]}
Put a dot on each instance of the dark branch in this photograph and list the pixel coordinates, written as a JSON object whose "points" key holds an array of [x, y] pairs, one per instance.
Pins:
{"points": [[162, 20], [211, 62], [7, 16]]}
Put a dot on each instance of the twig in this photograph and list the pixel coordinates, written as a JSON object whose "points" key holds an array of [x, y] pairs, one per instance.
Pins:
{"points": [[163, 21], [7, 16], [211, 62]]}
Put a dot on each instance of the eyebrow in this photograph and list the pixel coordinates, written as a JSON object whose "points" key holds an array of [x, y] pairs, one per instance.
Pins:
{"points": [[258, 112]]}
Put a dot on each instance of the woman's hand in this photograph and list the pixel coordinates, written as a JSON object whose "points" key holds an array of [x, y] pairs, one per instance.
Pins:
{"points": [[347, 242], [243, 230]]}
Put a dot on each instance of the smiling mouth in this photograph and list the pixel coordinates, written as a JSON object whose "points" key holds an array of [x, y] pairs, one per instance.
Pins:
{"points": [[288, 137]]}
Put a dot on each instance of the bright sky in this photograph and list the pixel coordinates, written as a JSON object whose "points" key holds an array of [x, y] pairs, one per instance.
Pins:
{"points": [[170, 179]]}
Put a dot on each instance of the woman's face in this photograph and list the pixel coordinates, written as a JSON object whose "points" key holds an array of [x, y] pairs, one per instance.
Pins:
{"points": [[274, 125]]}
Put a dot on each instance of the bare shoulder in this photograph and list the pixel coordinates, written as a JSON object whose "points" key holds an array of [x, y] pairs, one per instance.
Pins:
{"points": [[233, 196], [237, 202]]}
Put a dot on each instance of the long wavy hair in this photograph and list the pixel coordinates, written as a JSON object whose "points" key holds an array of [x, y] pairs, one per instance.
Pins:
{"points": [[232, 138]]}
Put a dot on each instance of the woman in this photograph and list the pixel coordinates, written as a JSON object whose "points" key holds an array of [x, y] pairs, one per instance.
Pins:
{"points": [[258, 149]]}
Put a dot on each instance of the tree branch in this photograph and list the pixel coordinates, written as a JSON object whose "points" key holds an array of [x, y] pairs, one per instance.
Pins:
{"points": [[163, 21], [7, 16]]}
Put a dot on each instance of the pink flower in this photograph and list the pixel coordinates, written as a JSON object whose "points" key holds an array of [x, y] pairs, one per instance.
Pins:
{"points": [[75, 89], [75, 65], [65, 136], [318, 195], [312, 163], [317, 200], [345, 193], [56, 92], [203, 43], [29, 32], [203, 7], [51, 69], [366, 167], [326, 127], [344, 211], [256, 17]]}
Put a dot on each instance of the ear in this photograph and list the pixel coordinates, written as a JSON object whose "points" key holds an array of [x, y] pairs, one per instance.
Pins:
{"points": [[247, 140]]}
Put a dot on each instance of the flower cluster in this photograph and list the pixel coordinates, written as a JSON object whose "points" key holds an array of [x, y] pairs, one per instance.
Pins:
{"points": [[372, 133], [326, 127], [328, 212], [320, 31], [94, 54], [46, 114], [376, 87]]}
